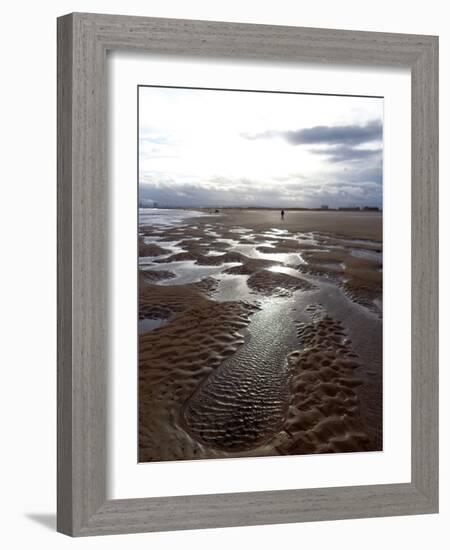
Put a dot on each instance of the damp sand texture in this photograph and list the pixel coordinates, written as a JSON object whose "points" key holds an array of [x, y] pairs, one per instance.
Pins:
{"points": [[259, 336]]}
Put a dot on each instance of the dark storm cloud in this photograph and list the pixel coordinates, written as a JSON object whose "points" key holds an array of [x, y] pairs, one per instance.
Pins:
{"points": [[350, 135], [343, 153], [336, 135]]}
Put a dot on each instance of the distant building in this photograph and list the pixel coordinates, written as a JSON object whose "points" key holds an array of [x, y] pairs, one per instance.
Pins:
{"points": [[371, 208], [324, 207]]}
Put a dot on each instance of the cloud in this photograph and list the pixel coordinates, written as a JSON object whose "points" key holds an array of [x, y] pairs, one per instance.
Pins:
{"points": [[248, 192], [147, 136], [344, 153], [327, 135]]}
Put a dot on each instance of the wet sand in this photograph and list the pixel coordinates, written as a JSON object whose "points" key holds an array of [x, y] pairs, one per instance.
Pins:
{"points": [[259, 336]]}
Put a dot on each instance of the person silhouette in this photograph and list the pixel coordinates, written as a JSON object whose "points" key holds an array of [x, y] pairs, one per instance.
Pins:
{"points": [[282, 214]]}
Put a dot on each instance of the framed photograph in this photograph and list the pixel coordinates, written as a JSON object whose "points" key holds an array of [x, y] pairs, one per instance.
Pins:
{"points": [[247, 274]]}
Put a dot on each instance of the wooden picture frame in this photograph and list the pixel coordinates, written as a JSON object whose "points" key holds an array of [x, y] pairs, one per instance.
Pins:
{"points": [[83, 40]]}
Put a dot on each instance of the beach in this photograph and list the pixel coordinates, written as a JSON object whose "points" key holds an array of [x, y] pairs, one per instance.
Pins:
{"points": [[258, 335]]}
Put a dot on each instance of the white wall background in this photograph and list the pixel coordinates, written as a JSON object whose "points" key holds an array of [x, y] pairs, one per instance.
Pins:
{"points": [[27, 289]]}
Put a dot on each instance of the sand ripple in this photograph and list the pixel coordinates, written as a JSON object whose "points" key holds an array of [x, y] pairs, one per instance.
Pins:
{"points": [[324, 413], [244, 402], [175, 359]]}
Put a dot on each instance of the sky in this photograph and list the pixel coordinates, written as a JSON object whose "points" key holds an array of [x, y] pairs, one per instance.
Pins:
{"points": [[216, 148]]}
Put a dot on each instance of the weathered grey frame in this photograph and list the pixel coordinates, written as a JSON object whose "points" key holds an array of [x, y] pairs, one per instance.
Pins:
{"points": [[83, 40]]}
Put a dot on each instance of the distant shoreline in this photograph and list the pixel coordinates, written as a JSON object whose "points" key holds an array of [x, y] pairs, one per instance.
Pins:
{"points": [[269, 208]]}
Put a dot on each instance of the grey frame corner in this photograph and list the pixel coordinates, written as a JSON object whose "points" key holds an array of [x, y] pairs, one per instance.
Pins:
{"points": [[83, 40]]}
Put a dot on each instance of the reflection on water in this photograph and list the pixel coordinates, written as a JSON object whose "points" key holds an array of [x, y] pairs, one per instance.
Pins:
{"points": [[146, 325], [370, 254], [215, 253], [244, 401], [251, 251], [229, 242], [240, 230], [171, 246], [362, 242], [233, 287], [287, 270], [276, 232], [165, 216], [187, 271]]}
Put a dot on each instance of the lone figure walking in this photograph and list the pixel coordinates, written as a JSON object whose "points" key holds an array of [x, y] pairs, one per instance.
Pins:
{"points": [[282, 214]]}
